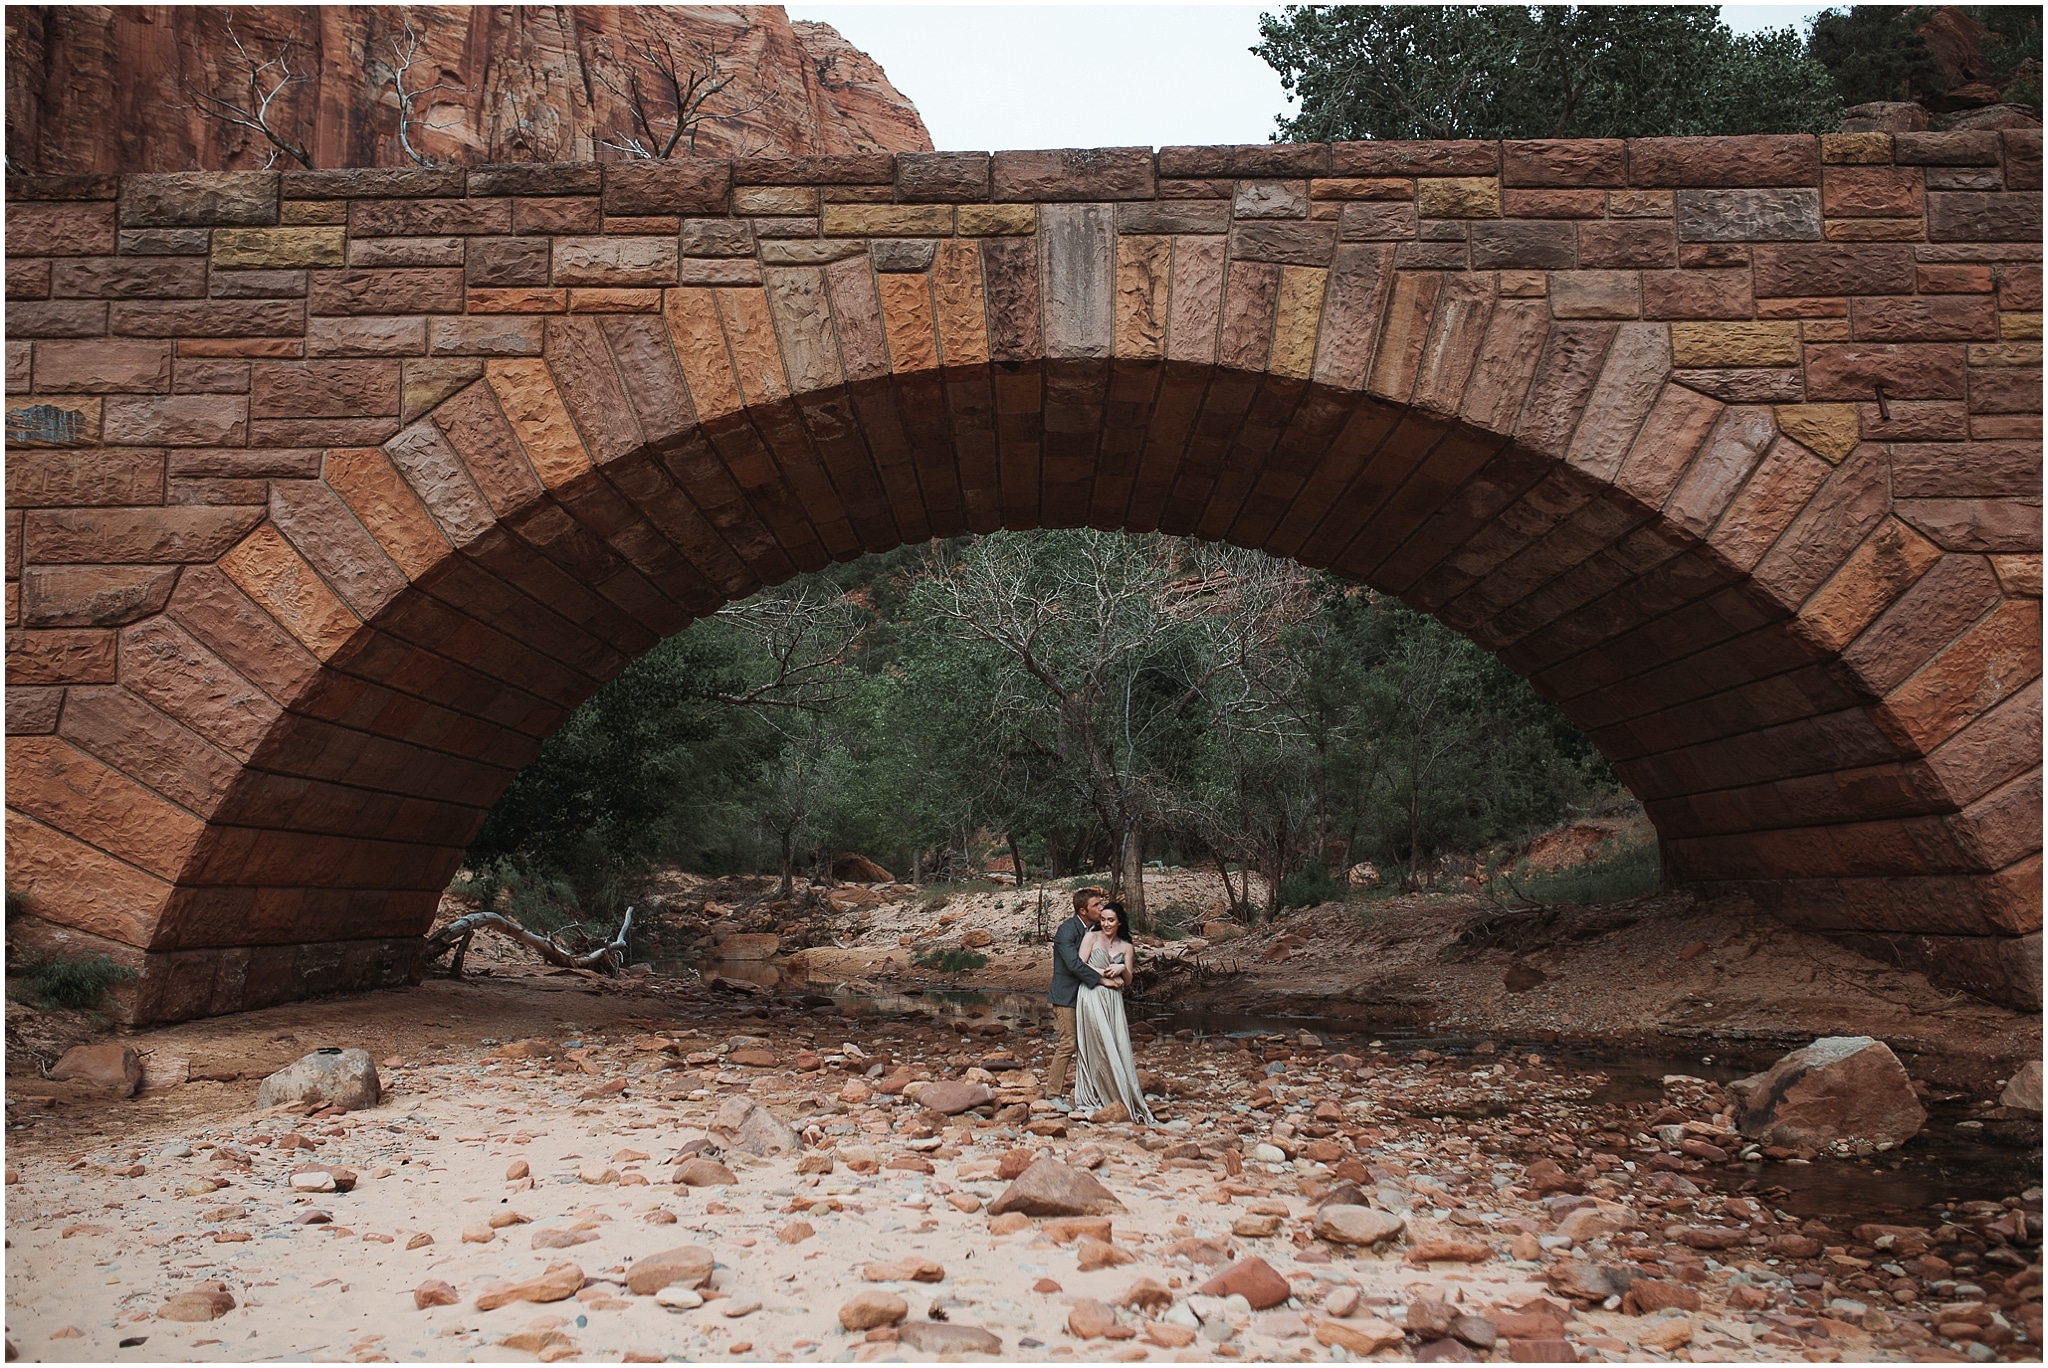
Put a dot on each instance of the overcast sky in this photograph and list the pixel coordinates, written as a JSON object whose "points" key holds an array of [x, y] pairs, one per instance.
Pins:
{"points": [[988, 77]]}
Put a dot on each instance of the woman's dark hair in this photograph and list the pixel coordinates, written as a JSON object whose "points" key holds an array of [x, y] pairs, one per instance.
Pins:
{"points": [[1123, 918]]}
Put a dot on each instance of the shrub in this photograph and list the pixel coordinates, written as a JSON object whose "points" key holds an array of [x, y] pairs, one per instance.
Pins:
{"points": [[77, 983], [1630, 870], [1311, 885], [950, 961]]}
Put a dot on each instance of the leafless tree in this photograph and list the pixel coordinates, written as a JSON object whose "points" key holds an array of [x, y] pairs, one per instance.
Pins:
{"points": [[667, 97], [405, 56], [810, 637], [265, 76]]}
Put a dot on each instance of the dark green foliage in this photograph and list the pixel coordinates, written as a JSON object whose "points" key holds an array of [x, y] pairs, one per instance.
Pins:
{"points": [[1629, 870], [1873, 53], [1310, 886], [77, 983], [953, 961], [1553, 71]]}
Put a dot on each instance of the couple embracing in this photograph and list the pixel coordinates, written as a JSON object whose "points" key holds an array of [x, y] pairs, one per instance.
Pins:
{"points": [[1092, 960]]}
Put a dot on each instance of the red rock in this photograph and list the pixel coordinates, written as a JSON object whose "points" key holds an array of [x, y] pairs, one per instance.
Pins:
{"points": [[701, 1172], [1558, 1350], [1838, 1088], [112, 1068], [1096, 1254], [950, 1097], [1646, 1295], [1252, 1278], [1050, 1188], [434, 1292], [1544, 1176], [1014, 1162], [687, 1265], [560, 1281], [1090, 1319], [871, 1309]]}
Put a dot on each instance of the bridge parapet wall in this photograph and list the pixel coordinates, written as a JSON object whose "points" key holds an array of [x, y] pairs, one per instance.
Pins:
{"points": [[330, 493]]}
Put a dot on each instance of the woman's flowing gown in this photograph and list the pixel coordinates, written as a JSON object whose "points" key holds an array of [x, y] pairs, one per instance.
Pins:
{"points": [[1105, 1070]]}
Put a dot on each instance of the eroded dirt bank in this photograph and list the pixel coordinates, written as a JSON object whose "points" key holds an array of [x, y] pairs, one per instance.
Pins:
{"points": [[1532, 1179]]}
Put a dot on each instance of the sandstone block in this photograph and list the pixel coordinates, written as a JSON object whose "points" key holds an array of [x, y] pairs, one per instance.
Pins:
{"points": [[1748, 215], [1458, 197], [1756, 160], [59, 230], [177, 419], [1595, 294], [1251, 1278], [509, 261], [430, 217], [93, 596], [1735, 344], [336, 1078], [1070, 174], [324, 389], [996, 220], [615, 261], [247, 248], [944, 1339], [1051, 1188], [199, 198], [102, 367], [887, 220], [1830, 431], [1359, 1337], [690, 186], [560, 1282], [1357, 1225], [355, 291]]}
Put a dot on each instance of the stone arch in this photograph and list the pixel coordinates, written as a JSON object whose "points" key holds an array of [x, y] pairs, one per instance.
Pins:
{"points": [[1811, 648]]}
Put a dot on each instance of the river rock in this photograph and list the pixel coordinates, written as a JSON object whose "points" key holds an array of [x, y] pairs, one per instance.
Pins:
{"points": [[1051, 1188], [1167, 1335], [561, 1281], [1837, 1088], [1091, 1319], [745, 1125], [1096, 1254], [1257, 1281], [344, 1078], [2023, 1093], [1146, 1294], [744, 946], [950, 1097], [1429, 1318], [1357, 1225], [1476, 1331], [1341, 1301], [112, 1068], [687, 1265], [200, 1304], [1649, 1295], [871, 1309], [1363, 1338], [702, 1172], [434, 1292], [914, 1268], [1584, 1280], [943, 1339], [1666, 1332]]}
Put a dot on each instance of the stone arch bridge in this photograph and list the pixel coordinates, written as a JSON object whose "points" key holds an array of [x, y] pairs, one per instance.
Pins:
{"points": [[330, 494]]}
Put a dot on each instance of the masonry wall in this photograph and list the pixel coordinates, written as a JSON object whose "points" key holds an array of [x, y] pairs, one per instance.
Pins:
{"points": [[329, 494]]}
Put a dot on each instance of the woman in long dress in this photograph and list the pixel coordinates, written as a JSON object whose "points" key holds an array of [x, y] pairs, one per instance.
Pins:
{"points": [[1106, 1071]]}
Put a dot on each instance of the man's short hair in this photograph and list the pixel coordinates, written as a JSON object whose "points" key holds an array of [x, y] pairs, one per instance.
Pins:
{"points": [[1083, 895]]}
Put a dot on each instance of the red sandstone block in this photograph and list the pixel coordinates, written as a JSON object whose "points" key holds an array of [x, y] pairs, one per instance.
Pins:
{"points": [[1403, 158], [132, 536], [429, 217], [1538, 204], [1988, 525], [1807, 307], [56, 318], [1252, 159], [129, 278], [1917, 318], [176, 419], [1963, 147], [28, 278], [1067, 174], [1564, 162], [218, 318], [1872, 192], [510, 261], [1910, 370], [1956, 279], [103, 367], [544, 216], [59, 229], [1628, 244], [851, 168], [80, 477], [2019, 286], [276, 347], [199, 376], [667, 187], [324, 389], [1766, 159], [1833, 268], [60, 656], [1972, 675], [1982, 216], [942, 177], [2006, 390], [1698, 294], [422, 290]]}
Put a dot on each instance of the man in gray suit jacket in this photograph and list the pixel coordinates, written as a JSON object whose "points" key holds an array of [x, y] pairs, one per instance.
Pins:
{"points": [[1069, 973]]}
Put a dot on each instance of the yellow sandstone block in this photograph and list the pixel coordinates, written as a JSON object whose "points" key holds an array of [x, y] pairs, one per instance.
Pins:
{"points": [[1830, 431], [1855, 149], [251, 248], [998, 220], [1296, 316], [1459, 197], [1735, 344], [2019, 326], [888, 220]]}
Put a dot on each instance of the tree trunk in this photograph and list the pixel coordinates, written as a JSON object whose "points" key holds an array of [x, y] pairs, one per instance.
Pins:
{"points": [[788, 865], [1131, 873], [1016, 859]]}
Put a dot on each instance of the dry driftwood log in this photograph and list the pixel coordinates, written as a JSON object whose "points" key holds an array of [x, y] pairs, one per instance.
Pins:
{"points": [[608, 958]]}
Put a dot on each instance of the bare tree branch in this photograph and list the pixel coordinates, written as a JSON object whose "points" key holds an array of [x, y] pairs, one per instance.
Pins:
{"points": [[667, 97], [608, 958], [404, 58], [255, 107]]}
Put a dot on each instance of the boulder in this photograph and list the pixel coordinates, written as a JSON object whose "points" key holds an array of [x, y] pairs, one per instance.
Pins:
{"points": [[745, 1125], [1430, 1319], [1584, 1280], [1051, 1188], [1476, 1331], [976, 938], [332, 1077], [950, 1097], [944, 1339], [1838, 1088], [1357, 1225], [1649, 1295], [1445, 1351], [1253, 1279], [702, 1172], [687, 1266], [114, 1068], [1885, 116], [1361, 1338], [850, 868], [870, 1310], [2023, 1093], [1090, 1319]]}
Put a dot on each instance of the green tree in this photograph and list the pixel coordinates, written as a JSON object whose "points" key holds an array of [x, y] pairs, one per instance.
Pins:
{"points": [[1554, 71]]}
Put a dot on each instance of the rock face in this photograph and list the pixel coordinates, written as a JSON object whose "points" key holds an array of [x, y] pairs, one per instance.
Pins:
{"points": [[1050, 1188], [1838, 1088], [524, 83], [346, 1079]]}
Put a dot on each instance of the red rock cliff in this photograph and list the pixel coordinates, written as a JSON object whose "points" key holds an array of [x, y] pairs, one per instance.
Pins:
{"points": [[118, 88]]}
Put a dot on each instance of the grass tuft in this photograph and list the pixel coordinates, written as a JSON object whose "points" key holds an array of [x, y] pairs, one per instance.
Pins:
{"points": [[950, 961], [1631, 870], [76, 983]]}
